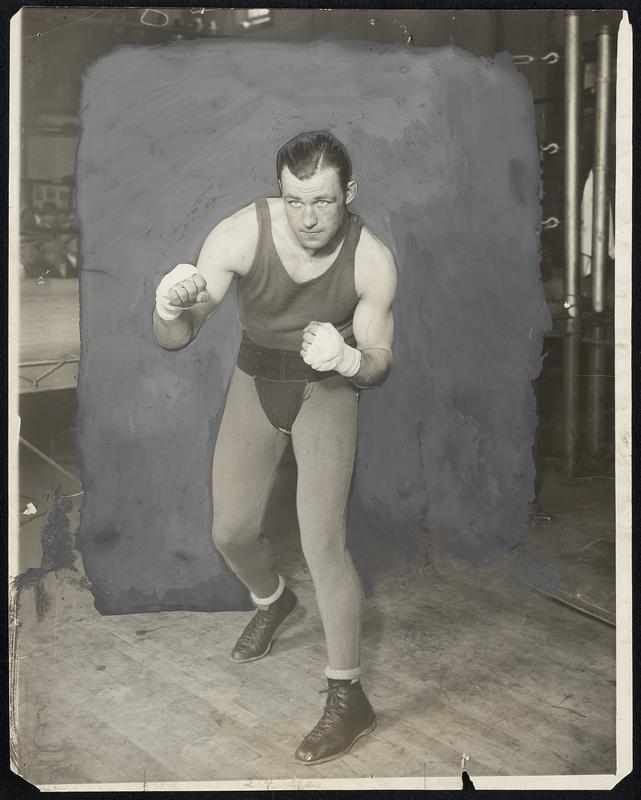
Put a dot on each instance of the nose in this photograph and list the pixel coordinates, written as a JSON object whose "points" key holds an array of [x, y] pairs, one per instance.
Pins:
{"points": [[309, 218]]}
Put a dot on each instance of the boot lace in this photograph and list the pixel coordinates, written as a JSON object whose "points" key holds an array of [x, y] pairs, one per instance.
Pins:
{"points": [[331, 713]]}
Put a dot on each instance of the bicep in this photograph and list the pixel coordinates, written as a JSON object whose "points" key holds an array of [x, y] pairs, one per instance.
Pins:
{"points": [[218, 263], [226, 253], [373, 318], [373, 324]]}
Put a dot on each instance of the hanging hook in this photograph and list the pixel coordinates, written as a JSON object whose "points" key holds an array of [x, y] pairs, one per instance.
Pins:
{"points": [[551, 58], [551, 148], [523, 59], [526, 58]]}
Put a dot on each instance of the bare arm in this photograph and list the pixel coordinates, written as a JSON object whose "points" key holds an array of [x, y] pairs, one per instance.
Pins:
{"points": [[173, 334], [227, 252], [375, 276]]}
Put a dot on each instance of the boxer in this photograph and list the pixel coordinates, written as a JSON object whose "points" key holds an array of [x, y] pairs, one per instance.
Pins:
{"points": [[314, 291]]}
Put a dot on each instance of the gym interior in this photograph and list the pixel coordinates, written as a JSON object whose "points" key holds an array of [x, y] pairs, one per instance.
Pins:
{"points": [[514, 682]]}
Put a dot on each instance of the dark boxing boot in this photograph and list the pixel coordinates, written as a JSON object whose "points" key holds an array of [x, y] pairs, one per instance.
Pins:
{"points": [[347, 716], [256, 640]]}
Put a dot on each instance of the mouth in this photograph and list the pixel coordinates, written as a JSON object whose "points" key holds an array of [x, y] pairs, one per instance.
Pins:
{"points": [[311, 233]]}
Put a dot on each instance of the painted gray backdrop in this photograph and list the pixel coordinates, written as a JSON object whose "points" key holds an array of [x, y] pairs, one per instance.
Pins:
{"points": [[177, 137]]}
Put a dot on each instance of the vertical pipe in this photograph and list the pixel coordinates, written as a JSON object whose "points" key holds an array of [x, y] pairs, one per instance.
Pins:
{"points": [[601, 148], [571, 356], [596, 382], [572, 212]]}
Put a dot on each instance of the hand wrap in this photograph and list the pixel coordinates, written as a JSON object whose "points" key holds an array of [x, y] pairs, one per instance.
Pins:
{"points": [[164, 308], [329, 351]]}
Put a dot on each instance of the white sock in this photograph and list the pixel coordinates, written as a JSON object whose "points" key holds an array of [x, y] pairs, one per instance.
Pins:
{"points": [[343, 674], [263, 602]]}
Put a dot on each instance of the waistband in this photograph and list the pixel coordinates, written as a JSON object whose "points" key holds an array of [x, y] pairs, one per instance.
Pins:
{"points": [[276, 365]]}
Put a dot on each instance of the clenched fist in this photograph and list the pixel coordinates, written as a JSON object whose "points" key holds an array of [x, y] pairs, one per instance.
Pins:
{"points": [[181, 288], [324, 349]]}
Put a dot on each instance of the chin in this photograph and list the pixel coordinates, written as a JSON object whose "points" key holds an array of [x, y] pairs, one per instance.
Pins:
{"points": [[313, 242]]}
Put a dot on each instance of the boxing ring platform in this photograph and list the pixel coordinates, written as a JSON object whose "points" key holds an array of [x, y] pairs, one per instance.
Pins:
{"points": [[49, 351]]}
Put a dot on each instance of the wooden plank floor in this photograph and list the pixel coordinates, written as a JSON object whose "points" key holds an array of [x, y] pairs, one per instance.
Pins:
{"points": [[456, 660]]}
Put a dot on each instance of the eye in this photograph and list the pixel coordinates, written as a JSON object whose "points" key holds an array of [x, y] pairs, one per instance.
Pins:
{"points": [[295, 203], [323, 203]]}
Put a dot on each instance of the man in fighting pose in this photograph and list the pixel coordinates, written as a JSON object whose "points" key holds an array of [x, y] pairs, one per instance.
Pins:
{"points": [[315, 290]]}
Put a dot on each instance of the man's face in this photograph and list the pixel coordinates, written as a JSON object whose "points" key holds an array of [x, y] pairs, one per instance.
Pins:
{"points": [[316, 208]]}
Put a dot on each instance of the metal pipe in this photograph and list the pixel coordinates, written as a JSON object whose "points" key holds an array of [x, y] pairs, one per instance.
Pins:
{"points": [[571, 359], [49, 361], [597, 379], [49, 461], [572, 203], [601, 152]]}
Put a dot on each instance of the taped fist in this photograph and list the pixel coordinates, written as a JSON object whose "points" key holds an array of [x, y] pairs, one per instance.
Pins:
{"points": [[181, 288], [324, 349]]}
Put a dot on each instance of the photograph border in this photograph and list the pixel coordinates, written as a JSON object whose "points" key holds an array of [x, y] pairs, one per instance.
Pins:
{"points": [[623, 468]]}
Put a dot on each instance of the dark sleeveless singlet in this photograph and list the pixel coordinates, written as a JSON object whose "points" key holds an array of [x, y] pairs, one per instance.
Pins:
{"points": [[274, 310]]}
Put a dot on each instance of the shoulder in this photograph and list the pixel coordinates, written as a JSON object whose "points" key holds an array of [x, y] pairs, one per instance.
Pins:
{"points": [[375, 265], [372, 250], [244, 220], [232, 242]]}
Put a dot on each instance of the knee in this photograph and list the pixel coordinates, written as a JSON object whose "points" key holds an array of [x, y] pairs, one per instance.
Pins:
{"points": [[322, 550], [229, 538]]}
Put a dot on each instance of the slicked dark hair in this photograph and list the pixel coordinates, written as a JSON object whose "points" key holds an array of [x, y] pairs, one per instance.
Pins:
{"points": [[309, 152]]}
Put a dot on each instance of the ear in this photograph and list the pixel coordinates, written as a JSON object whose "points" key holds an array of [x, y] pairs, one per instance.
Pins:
{"points": [[351, 191], [280, 187]]}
